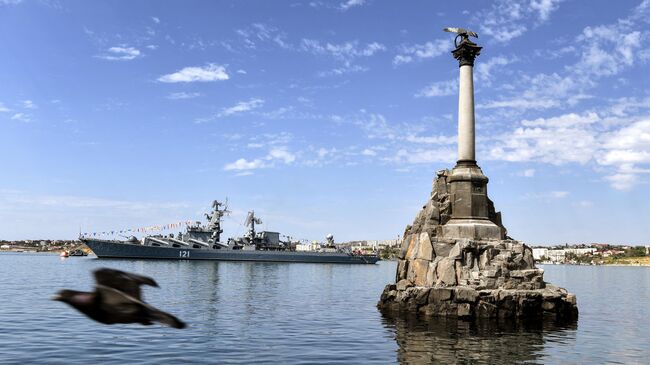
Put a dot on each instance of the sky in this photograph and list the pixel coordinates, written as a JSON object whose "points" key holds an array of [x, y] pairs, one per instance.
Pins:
{"points": [[322, 116]]}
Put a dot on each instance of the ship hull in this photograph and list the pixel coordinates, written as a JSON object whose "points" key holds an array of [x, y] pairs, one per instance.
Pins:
{"points": [[117, 249]]}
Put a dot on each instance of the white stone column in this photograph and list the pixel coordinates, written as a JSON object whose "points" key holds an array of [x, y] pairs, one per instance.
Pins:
{"points": [[466, 149]]}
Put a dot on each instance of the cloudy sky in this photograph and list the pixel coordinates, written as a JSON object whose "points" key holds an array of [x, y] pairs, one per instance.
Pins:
{"points": [[323, 116]]}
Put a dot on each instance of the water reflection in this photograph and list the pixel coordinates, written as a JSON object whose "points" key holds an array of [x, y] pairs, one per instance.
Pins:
{"points": [[450, 341]]}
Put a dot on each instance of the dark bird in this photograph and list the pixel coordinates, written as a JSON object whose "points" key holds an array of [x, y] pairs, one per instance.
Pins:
{"points": [[117, 299]]}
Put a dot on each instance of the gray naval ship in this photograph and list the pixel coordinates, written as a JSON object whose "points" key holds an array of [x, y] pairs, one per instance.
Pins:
{"points": [[203, 242]]}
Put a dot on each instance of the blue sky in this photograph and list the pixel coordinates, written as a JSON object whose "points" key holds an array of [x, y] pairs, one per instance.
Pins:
{"points": [[323, 116]]}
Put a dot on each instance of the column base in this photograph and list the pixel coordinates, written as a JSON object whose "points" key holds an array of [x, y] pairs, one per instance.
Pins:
{"points": [[472, 228]]}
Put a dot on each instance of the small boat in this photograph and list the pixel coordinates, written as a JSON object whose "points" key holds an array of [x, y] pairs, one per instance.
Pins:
{"points": [[64, 254], [78, 252]]}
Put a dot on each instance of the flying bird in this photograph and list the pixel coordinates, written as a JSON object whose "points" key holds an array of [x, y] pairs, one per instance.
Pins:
{"points": [[117, 299], [461, 32]]}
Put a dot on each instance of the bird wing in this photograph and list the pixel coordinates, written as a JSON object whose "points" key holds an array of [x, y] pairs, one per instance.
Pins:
{"points": [[119, 307], [451, 30], [125, 282]]}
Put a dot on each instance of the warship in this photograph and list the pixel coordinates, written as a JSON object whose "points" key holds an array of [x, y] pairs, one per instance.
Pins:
{"points": [[203, 242]]}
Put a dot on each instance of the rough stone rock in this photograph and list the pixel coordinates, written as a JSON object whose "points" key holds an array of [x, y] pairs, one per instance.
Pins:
{"points": [[402, 270], [464, 310], [406, 243], [446, 271], [413, 248], [425, 249], [486, 310], [420, 270], [440, 295], [457, 251], [432, 277], [403, 284], [442, 249], [465, 294]]}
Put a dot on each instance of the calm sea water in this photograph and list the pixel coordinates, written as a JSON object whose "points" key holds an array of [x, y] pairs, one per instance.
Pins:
{"points": [[275, 313]]}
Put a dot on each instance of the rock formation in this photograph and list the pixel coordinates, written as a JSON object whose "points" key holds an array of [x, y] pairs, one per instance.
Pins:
{"points": [[470, 278]]}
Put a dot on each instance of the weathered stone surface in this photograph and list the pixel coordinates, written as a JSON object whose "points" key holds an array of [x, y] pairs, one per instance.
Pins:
{"points": [[403, 284], [420, 270], [457, 251], [425, 249], [486, 310], [414, 246], [402, 270], [446, 272], [432, 277], [465, 294], [442, 249], [464, 310], [440, 295], [406, 243]]}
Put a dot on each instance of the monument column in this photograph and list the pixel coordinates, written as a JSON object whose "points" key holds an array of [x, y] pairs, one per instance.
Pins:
{"points": [[468, 184], [466, 139]]}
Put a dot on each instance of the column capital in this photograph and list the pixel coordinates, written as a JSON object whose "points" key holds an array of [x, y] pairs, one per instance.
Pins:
{"points": [[466, 52]]}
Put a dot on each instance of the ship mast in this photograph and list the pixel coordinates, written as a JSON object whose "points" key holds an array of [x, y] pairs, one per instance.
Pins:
{"points": [[214, 219]]}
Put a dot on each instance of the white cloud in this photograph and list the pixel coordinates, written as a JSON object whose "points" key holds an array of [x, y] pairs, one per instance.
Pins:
{"points": [[260, 33], [28, 104], [10, 2], [121, 53], [346, 69], [508, 19], [608, 49], [440, 88], [431, 139], [343, 51], [242, 72], [281, 154], [623, 181], [276, 154], [548, 195], [425, 156], [584, 204], [241, 107], [421, 51], [21, 117], [543, 91], [569, 138], [183, 95], [350, 4], [368, 152], [527, 173], [155, 19], [3, 108], [484, 70], [70, 201], [211, 72], [243, 164], [626, 149]]}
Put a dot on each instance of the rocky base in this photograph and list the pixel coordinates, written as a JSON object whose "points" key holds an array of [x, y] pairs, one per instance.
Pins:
{"points": [[466, 302], [445, 272]]}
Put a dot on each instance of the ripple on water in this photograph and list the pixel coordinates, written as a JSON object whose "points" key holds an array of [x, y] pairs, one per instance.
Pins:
{"points": [[243, 313]]}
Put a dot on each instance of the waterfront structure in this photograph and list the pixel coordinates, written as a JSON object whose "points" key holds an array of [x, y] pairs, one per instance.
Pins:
{"points": [[456, 258]]}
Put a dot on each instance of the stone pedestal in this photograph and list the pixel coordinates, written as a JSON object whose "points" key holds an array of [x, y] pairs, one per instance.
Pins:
{"points": [[470, 216]]}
